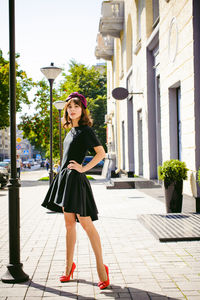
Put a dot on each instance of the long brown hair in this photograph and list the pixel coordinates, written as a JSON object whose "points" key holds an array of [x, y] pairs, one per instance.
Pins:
{"points": [[85, 118]]}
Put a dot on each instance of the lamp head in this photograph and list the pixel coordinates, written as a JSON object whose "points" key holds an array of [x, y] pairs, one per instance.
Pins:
{"points": [[59, 104], [51, 72]]}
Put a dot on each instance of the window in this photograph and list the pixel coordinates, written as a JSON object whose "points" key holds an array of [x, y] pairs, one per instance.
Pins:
{"points": [[155, 6], [139, 13], [121, 57], [129, 44]]}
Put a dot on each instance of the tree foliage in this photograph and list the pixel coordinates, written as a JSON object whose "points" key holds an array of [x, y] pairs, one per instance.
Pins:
{"points": [[90, 82], [85, 80], [23, 85], [36, 128]]}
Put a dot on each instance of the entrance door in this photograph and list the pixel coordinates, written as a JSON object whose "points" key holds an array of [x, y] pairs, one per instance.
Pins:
{"points": [[130, 128], [153, 105], [158, 122], [123, 145], [140, 143], [178, 92], [175, 122], [158, 145]]}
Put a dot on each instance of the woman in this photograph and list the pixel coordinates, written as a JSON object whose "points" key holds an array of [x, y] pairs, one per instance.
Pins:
{"points": [[71, 192]]}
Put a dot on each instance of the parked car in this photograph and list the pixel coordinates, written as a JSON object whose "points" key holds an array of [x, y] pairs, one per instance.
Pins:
{"points": [[26, 164], [7, 160], [31, 161], [89, 158], [96, 169], [4, 176], [6, 165]]}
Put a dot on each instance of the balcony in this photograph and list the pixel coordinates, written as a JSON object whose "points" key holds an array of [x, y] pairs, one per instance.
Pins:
{"points": [[112, 20], [105, 47]]}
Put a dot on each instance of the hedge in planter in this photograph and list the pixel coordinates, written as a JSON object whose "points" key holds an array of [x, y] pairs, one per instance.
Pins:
{"points": [[173, 172]]}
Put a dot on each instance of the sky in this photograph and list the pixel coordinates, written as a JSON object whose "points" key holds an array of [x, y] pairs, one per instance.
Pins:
{"points": [[51, 31]]}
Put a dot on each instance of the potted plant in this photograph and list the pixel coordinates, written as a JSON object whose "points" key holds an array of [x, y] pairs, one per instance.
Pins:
{"points": [[173, 172]]}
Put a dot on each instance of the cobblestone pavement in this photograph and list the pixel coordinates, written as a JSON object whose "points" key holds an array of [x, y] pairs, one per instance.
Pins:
{"points": [[140, 266]]}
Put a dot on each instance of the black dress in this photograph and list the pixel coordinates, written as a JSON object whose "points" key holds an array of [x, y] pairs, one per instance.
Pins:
{"points": [[71, 189]]}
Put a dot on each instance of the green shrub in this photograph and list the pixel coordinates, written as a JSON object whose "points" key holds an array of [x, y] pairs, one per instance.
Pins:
{"points": [[172, 170], [44, 179], [47, 178], [90, 177]]}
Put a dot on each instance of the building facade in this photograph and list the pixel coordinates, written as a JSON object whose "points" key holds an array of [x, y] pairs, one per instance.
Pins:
{"points": [[4, 144], [23, 146], [152, 50]]}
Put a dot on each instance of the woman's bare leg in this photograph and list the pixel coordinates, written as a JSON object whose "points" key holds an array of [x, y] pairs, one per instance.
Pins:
{"points": [[70, 223], [93, 235]]}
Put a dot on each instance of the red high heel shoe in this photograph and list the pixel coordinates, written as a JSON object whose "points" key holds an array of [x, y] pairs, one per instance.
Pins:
{"points": [[100, 282], [104, 284], [67, 278]]}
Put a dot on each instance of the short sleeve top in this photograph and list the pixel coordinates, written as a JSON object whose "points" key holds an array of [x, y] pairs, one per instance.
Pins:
{"points": [[77, 143], [90, 138]]}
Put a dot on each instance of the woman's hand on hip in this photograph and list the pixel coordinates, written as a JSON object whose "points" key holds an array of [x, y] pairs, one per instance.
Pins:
{"points": [[73, 165]]}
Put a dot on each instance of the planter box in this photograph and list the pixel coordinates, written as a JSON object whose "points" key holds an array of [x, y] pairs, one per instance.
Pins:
{"points": [[174, 197]]}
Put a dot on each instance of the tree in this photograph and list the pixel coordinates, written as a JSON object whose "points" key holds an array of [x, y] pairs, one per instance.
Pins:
{"points": [[23, 85], [36, 128], [98, 108], [90, 82]]}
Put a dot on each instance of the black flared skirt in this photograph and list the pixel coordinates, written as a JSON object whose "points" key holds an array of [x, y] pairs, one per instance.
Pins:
{"points": [[71, 190]]}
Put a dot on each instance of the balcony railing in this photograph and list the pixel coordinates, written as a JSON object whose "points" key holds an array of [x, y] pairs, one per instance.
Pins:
{"points": [[105, 47], [112, 20]]}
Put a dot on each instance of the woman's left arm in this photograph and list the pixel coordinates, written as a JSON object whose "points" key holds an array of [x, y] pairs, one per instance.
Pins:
{"points": [[100, 154]]}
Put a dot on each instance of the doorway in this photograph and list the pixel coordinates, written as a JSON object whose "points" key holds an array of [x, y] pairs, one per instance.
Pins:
{"points": [[154, 110], [175, 122], [123, 146], [140, 143]]}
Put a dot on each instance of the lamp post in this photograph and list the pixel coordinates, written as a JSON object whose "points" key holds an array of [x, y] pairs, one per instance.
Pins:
{"points": [[14, 271], [60, 105], [51, 73]]}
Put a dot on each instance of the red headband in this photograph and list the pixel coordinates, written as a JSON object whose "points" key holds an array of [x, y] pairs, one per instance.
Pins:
{"points": [[80, 96]]}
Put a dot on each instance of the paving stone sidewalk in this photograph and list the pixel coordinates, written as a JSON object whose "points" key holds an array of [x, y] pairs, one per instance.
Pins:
{"points": [[140, 266]]}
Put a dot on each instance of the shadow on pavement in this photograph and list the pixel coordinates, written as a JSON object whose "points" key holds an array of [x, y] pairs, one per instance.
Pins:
{"points": [[99, 181], [29, 183], [114, 291]]}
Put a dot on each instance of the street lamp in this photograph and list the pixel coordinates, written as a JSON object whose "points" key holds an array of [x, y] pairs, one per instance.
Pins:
{"points": [[14, 271], [60, 105], [51, 73]]}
